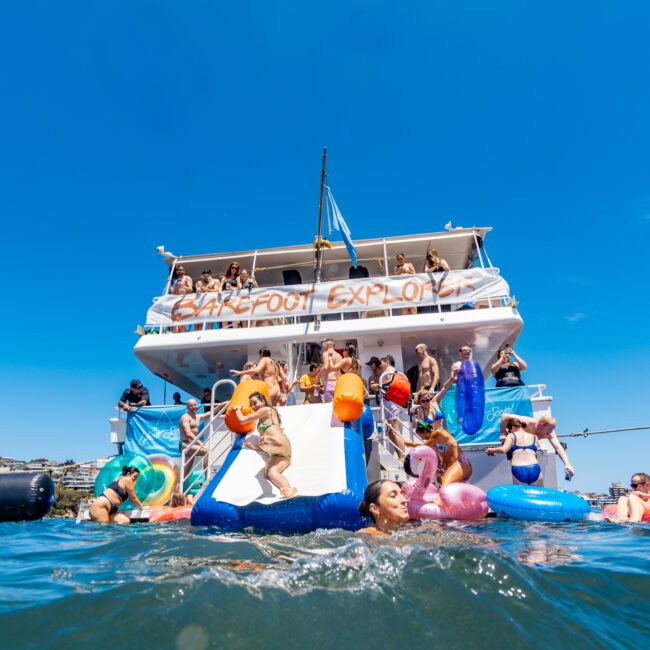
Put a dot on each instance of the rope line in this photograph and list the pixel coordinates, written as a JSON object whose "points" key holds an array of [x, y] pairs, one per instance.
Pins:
{"points": [[586, 433]]}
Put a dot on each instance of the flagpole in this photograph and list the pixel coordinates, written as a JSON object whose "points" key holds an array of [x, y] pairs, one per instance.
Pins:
{"points": [[318, 271]]}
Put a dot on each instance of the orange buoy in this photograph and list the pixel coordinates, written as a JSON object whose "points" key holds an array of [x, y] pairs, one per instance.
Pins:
{"points": [[348, 397], [240, 398]]}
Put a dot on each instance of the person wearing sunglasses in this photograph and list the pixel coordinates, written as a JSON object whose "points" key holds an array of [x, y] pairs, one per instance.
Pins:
{"points": [[636, 504], [428, 405]]}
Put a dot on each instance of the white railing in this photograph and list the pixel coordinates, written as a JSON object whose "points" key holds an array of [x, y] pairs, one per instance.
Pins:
{"points": [[452, 302], [215, 439]]}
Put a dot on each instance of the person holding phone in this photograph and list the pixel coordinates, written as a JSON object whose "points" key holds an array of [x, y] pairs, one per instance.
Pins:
{"points": [[506, 371]]}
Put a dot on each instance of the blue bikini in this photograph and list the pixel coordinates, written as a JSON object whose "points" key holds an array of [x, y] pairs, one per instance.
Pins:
{"points": [[525, 473], [438, 416]]}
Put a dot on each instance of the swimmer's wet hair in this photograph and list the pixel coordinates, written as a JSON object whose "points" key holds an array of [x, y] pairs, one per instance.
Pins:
{"points": [[370, 496]]}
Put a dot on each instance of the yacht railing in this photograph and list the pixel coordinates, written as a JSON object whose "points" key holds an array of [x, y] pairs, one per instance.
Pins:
{"points": [[456, 303], [215, 439]]}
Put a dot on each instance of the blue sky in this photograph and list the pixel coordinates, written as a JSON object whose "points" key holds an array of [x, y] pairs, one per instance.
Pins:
{"points": [[125, 125]]}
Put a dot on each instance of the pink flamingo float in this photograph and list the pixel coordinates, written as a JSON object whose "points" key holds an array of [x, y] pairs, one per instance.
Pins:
{"points": [[453, 501]]}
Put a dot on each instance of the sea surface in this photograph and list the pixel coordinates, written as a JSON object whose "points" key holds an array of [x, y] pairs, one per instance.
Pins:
{"points": [[494, 584]]}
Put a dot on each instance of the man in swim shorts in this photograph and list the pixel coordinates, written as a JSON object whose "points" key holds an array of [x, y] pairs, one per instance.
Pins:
{"points": [[330, 358], [189, 443]]}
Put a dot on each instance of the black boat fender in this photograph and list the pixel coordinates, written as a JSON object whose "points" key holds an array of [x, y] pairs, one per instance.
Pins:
{"points": [[25, 496]]}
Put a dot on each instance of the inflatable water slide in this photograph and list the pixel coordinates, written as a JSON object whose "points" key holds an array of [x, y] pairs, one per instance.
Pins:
{"points": [[327, 467]]}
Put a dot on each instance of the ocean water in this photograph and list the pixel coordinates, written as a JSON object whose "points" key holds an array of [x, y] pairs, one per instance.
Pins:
{"points": [[493, 584]]}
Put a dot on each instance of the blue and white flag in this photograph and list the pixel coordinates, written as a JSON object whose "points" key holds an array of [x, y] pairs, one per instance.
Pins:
{"points": [[335, 221]]}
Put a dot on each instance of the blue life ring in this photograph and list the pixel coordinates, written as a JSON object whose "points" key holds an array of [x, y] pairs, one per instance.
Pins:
{"points": [[470, 397], [530, 503]]}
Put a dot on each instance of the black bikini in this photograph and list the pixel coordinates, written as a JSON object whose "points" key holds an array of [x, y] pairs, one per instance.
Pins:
{"points": [[120, 491]]}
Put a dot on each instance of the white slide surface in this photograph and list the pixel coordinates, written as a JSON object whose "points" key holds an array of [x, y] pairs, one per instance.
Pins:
{"points": [[317, 459]]}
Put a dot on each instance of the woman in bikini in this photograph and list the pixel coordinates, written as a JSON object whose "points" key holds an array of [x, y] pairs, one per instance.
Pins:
{"points": [[348, 363], [523, 453], [273, 442], [104, 507], [453, 465], [428, 409]]}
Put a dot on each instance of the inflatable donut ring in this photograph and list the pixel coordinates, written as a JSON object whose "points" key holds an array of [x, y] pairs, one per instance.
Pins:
{"points": [[113, 470], [165, 479]]}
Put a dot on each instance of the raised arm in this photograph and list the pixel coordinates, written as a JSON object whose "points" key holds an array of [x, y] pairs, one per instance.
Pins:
{"points": [[251, 371], [499, 362], [445, 387], [521, 364]]}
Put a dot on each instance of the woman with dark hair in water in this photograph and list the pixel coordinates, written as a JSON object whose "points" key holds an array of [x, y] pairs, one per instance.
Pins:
{"points": [[273, 441], [385, 504], [104, 507]]}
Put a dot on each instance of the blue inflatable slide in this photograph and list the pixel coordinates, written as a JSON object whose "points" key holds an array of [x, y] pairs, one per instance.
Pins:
{"points": [[327, 467]]}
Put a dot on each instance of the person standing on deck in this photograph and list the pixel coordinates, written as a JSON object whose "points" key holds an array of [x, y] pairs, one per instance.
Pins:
{"points": [[189, 443], [393, 411], [464, 354], [330, 358], [428, 371], [182, 286], [134, 397], [404, 268], [270, 373]]}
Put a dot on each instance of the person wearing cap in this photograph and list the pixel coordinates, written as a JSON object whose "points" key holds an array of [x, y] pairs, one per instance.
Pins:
{"points": [[135, 396], [373, 381], [177, 399]]}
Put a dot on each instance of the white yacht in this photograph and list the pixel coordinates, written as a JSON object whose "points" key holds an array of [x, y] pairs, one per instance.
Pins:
{"points": [[193, 341]]}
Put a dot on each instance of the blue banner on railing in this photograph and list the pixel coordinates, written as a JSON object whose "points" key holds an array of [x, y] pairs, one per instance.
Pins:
{"points": [[154, 430], [498, 401]]}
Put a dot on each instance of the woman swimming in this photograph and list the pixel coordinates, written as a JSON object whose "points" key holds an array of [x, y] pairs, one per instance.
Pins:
{"points": [[273, 442], [523, 447], [385, 504], [454, 466], [104, 507]]}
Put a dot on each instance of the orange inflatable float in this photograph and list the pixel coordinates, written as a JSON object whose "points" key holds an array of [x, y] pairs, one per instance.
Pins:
{"points": [[167, 513], [240, 398], [348, 397], [610, 510]]}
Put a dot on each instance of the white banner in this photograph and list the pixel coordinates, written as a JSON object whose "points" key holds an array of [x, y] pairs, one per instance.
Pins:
{"points": [[395, 292]]}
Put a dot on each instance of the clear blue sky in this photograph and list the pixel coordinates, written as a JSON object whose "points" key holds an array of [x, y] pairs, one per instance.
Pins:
{"points": [[124, 125]]}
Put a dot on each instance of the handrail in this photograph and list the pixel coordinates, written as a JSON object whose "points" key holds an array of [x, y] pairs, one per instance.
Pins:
{"points": [[205, 437]]}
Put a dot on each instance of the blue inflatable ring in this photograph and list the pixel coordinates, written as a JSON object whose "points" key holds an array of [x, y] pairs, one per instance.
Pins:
{"points": [[470, 397], [530, 503]]}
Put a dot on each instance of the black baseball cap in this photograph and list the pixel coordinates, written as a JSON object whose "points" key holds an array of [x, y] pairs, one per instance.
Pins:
{"points": [[136, 383], [373, 360]]}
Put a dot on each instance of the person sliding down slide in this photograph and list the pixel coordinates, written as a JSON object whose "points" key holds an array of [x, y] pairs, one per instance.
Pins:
{"points": [[273, 442]]}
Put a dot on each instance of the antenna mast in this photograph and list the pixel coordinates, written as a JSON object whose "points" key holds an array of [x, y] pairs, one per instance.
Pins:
{"points": [[318, 271]]}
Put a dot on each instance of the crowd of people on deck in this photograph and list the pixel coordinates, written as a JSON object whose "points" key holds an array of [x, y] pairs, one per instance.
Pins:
{"points": [[235, 278], [384, 502]]}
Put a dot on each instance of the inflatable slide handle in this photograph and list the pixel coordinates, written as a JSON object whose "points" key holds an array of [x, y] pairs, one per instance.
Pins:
{"points": [[240, 398], [348, 397]]}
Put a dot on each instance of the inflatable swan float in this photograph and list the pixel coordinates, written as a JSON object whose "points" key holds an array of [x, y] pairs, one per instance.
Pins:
{"points": [[424, 501]]}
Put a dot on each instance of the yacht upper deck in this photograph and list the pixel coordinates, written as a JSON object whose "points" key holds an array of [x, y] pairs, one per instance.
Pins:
{"points": [[197, 336]]}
